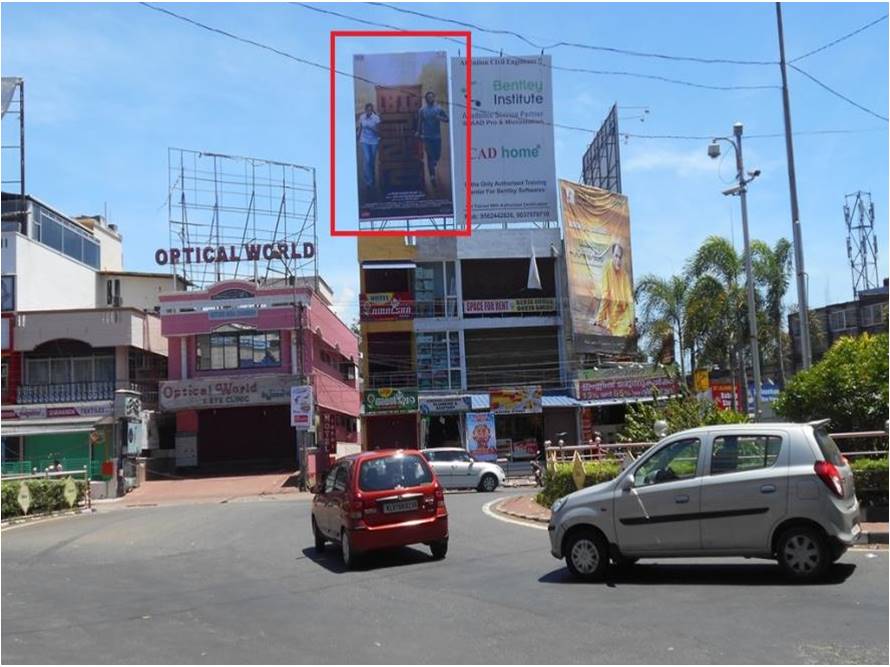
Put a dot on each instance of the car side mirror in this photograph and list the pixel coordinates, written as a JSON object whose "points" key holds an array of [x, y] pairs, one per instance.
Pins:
{"points": [[627, 484]]}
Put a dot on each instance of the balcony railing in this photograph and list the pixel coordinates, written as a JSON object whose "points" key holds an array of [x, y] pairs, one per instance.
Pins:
{"points": [[438, 307], [75, 392], [403, 379]]}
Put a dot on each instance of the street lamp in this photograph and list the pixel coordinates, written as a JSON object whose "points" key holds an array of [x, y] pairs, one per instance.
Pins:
{"points": [[742, 190]]}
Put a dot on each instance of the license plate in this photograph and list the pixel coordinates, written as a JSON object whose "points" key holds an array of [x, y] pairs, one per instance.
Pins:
{"points": [[400, 506]]}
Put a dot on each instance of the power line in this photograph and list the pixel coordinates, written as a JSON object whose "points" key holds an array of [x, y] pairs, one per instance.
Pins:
{"points": [[577, 45], [837, 94], [581, 70], [839, 39]]}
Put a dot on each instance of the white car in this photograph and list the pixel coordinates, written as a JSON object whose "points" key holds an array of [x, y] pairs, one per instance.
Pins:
{"points": [[780, 491], [456, 469]]}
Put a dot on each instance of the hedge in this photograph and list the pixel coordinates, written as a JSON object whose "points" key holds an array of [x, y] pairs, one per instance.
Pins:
{"points": [[47, 495], [870, 477]]}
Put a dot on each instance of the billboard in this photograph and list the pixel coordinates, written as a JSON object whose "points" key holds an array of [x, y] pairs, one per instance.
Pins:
{"points": [[596, 227], [402, 136], [516, 400], [601, 163], [513, 163], [481, 440]]}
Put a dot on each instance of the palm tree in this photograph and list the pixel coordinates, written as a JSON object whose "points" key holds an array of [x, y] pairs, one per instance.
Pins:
{"points": [[662, 304], [772, 269]]}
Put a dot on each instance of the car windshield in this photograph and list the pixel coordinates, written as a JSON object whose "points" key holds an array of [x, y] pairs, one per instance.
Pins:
{"points": [[828, 446], [394, 472]]}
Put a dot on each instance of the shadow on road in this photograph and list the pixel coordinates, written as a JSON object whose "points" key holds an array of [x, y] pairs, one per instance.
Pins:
{"points": [[375, 560], [698, 574]]}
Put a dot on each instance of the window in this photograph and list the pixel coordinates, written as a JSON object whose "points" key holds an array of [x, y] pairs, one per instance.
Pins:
{"points": [[678, 460], [4, 377], [828, 447], [8, 293], [67, 238], [329, 480], [873, 314], [341, 478], [66, 370], [37, 371], [51, 232], [393, 472], [841, 319], [738, 453], [229, 351], [435, 290], [438, 360]]}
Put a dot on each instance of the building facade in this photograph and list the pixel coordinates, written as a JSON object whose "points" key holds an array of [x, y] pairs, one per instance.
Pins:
{"points": [[66, 350], [235, 350]]}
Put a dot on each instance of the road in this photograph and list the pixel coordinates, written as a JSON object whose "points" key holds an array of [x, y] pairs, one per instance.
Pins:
{"points": [[240, 582]]}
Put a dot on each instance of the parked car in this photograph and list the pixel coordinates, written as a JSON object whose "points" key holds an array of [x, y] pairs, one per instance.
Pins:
{"points": [[378, 500], [456, 469], [781, 491]]}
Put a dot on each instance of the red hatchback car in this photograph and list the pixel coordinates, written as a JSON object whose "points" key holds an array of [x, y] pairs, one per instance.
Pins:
{"points": [[378, 500]]}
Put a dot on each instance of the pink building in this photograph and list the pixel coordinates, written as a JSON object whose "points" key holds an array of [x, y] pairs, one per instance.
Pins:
{"points": [[235, 349]]}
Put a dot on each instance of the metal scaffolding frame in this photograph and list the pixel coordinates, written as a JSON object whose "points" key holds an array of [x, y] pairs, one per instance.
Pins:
{"points": [[862, 244]]}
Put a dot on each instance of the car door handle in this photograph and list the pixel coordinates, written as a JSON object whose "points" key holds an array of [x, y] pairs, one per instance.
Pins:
{"points": [[768, 488], [681, 499]]}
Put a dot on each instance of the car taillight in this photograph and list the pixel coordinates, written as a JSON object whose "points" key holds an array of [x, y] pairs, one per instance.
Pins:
{"points": [[440, 493], [829, 474], [355, 509]]}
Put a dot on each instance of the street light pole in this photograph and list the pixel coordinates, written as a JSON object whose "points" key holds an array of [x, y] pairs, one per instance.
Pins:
{"points": [[749, 272]]}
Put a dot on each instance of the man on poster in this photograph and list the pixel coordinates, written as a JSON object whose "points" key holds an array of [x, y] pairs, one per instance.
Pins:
{"points": [[429, 120], [368, 135]]}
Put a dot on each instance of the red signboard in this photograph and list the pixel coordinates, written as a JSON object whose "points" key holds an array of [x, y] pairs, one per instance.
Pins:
{"points": [[593, 390], [721, 394], [387, 306]]}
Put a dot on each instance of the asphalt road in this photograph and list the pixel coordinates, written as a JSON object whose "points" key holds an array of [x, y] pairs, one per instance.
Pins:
{"points": [[240, 582]]}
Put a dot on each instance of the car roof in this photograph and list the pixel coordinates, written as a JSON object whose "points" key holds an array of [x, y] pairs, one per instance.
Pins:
{"points": [[444, 449], [736, 428], [376, 454]]}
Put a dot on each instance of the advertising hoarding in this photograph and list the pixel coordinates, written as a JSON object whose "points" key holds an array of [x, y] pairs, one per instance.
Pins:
{"points": [[386, 306], [481, 440], [601, 164], [516, 400], [513, 164], [225, 393], [302, 408], [403, 135], [596, 226], [529, 305]]}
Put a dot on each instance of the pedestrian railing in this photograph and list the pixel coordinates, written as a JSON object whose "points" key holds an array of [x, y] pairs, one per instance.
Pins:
{"points": [[81, 474]]}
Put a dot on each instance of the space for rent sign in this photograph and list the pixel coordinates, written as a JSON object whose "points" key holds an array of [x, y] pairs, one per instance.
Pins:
{"points": [[514, 172]]}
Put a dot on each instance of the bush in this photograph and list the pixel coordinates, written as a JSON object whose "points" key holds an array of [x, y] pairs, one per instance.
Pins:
{"points": [[870, 479], [680, 413], [47, 495], [558, 481]]}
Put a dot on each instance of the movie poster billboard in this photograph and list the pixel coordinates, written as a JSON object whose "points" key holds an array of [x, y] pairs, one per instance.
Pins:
{"points": [[481, 440], [596, 227], [513, 164], [403, 136]]}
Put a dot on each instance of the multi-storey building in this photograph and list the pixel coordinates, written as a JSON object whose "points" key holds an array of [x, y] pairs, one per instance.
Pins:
{"points": [[76, 328], [235, 350]]}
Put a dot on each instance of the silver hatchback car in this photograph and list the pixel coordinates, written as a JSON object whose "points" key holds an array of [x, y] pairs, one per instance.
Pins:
{"points": [[779, 491]]}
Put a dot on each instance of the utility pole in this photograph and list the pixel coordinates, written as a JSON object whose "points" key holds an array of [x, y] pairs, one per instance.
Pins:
{"points": [[802, 305]]}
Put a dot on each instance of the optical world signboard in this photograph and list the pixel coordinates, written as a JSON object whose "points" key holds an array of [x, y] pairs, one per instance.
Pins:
{"points": [[226, 392], [389, 400]]}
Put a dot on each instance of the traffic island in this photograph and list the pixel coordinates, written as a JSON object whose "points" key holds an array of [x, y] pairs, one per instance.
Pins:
{"points": [[522, 507]]}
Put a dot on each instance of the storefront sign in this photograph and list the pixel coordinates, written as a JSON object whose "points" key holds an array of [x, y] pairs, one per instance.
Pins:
{"points": [[96, 409], [302, 408], [376, 401], [248, 252], [200, 393], [481, 440], [721, 394], [768, 394], [496, 306], [387, 306], [516, 400], [524, 450], [443, 405], [625, 388]]}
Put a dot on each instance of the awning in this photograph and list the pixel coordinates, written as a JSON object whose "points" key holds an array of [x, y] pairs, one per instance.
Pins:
{"points": [[389, 265], [479, 401], [559, 402], [49, 426], [618, 401]]}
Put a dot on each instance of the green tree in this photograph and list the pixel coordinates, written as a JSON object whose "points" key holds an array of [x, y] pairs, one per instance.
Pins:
{"points": [[662, 309], [679, 412], [848, 386], [772, 272]]}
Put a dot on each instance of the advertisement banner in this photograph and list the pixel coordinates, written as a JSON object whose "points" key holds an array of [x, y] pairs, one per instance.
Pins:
{"points": [[386, 306], [198, 393], [481, 440], [388, 400], [97, 409], [596, 225], [513, 165], [302, 408], [625, 388], [516, 400], [443, 405], [403, 136], [525, 450], [768, 394], [721, 394], [495, 306]]}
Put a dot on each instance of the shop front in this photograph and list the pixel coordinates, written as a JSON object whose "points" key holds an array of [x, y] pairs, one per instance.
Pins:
{"points": [[390, 418], [519, 421], [442, 420]]}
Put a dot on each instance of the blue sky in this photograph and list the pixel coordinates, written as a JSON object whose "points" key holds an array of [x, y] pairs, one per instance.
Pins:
{"points": [[111, 86]]}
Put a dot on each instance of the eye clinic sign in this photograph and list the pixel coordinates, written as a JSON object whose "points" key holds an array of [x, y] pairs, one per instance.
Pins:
{"points": [[226, 392], [249, 252]]}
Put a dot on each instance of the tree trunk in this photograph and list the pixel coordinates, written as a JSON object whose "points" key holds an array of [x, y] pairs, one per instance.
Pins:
{"points": [[682, 361], [780, 352]]}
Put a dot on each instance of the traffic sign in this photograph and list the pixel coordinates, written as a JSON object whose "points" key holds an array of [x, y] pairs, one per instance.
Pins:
{"points": [[70, 492]]}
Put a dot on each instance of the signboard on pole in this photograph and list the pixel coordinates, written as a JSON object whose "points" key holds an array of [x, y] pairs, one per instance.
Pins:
{"points": [[481, 440], [514, 172], [302, 408], [403, 135], [596, 225]]}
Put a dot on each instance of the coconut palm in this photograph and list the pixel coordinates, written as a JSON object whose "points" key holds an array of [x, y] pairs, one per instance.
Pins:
{"points": [[662, 309], [772, 270]]}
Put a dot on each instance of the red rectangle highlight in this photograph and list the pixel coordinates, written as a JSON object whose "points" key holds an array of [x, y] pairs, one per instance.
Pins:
{"points": [[467, 230]]}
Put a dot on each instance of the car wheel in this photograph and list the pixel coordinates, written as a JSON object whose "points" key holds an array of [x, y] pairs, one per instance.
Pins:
{"points": [[319, 538], [587, 554], [439, 549], [488, 483], [803, 553], [349, 557]]}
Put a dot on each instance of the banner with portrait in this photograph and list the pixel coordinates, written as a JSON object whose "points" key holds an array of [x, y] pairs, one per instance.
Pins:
{"points": [[481, 439], [403, 136], [596, 227]]}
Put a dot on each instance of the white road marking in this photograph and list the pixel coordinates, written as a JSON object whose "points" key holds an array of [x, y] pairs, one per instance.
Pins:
{"points": [[486, 509]]}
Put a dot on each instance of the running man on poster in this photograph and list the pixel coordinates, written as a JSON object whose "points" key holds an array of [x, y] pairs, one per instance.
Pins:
{"points": [[403, 136]]}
